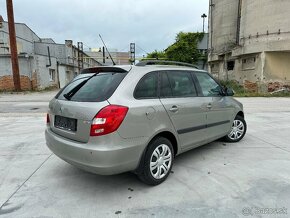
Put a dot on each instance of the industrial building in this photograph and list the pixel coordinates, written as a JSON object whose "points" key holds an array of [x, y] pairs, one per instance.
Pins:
{"points": [[249, 41], [42, 62], [202, 46], [102, 56]]}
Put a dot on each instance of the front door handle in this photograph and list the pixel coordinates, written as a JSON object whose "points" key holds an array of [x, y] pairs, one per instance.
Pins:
{"points": [[209, 106], [173, 109]]}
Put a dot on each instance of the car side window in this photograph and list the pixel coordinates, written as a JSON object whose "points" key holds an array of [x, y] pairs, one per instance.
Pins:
{"points": [[181, 84], [147, 86], [165, 89], [208, 86]]}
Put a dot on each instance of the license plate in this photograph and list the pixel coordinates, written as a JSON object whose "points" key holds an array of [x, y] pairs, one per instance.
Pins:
{"points": [[65, 123]]}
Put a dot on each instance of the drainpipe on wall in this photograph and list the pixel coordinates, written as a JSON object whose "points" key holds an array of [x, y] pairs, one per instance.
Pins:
{"points": [[49, 58], [211, 23], [239, 22], [57, 72]]}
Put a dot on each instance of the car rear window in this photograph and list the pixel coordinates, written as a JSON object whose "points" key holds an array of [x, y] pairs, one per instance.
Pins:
{"points": [[98, 88]]}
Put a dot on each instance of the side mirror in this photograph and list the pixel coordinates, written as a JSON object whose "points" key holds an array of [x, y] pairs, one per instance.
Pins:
{"points": [[229, 92]]}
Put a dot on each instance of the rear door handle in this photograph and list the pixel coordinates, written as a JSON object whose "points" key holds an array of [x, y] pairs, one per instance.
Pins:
{"points": [[173, 109]]}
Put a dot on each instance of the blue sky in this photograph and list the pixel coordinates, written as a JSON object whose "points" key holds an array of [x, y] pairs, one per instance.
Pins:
{"points": [[151, 24]]}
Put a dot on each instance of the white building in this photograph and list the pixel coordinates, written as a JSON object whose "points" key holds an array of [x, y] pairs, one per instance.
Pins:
{"points": [[42, 62]]}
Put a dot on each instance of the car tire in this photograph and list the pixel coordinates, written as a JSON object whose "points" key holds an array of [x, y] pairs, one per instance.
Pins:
{"points": [[238, 131], [157, 162]]}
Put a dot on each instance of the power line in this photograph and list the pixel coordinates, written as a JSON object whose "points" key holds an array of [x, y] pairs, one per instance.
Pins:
{"points": [[87, 46], [125, 48], [141, 49]]}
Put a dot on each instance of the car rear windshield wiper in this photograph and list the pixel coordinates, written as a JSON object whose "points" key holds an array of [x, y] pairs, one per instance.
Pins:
{"points": [[72, 92]]}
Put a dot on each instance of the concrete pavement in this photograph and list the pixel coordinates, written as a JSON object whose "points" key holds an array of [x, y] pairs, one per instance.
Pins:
{"points": [[215, 180], [35, 102]]}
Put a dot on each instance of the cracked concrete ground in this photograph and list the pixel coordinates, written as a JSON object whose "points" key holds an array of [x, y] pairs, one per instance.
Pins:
{"points": [[215, 180]]}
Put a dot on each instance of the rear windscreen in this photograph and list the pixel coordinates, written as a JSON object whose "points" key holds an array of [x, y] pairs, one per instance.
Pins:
{"points": [[97, 88]]}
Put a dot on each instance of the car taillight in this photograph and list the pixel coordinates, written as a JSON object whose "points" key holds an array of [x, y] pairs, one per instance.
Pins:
{"points": [[108, 120], [47, 119]]}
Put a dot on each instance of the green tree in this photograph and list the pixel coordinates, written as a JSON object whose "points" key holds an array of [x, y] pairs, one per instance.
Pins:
{"points": [[157, 55], [185, 48]]}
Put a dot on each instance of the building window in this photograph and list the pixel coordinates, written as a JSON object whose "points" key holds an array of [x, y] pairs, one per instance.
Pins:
{"points": [[51, 75], [215, 67], [230, 65], [249, 63]]}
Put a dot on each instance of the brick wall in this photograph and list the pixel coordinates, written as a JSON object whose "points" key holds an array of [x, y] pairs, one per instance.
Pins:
{"points": [[34, 83], [7, 84]]}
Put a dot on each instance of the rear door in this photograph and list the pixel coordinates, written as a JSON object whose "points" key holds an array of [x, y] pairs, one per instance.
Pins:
{"points": [[220, 111], [186, 110], [72, 117]]}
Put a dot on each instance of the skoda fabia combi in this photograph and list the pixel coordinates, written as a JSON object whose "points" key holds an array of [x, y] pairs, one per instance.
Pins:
{"points": [[110, 120]]}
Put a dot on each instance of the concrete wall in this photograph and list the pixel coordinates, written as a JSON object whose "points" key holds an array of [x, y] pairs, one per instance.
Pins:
{"points": [[264, 26], [261, 55], [42, 71], [244, 71], [222, 26], [41, 49], [277, 66], [24, 43], [6, 77], [62, 76], [260, 16]]}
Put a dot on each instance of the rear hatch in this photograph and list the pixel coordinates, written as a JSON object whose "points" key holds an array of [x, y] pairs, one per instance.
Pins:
{"points": [[75, 106]]}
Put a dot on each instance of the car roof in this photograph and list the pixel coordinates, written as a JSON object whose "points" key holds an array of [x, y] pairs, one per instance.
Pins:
{"points": [[141, 69], [167, 67]]}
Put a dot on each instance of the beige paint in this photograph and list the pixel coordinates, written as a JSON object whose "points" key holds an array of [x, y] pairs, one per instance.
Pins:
{"points": [[277, 66]]}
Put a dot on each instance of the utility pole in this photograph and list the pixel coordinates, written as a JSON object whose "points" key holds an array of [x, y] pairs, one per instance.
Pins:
{"points": [[203, 16], [104, 55], [13, 45], [80, 56]]}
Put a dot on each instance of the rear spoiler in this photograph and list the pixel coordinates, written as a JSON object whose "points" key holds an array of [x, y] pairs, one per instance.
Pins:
{"points": [[106, 69]]}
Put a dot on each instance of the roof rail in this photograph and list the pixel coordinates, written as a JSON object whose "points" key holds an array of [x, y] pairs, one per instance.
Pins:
{"points": [[164, 62]]}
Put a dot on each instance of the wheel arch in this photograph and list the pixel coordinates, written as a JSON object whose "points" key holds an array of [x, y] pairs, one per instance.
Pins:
{"points": [[166, 134], [241, 114], [170, 136]]}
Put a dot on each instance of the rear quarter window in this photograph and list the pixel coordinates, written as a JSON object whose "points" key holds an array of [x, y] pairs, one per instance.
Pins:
{"points": [[147, 86]]}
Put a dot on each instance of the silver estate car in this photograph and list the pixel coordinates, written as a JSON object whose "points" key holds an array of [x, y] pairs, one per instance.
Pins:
{"points": [[110, 120]]}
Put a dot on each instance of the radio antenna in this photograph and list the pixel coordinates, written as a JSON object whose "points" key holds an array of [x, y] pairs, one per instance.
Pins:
{"points": [[107, 50]]}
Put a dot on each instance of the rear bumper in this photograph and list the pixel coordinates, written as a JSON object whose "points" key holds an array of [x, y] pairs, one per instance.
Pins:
{"points": [[116, 156]]}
